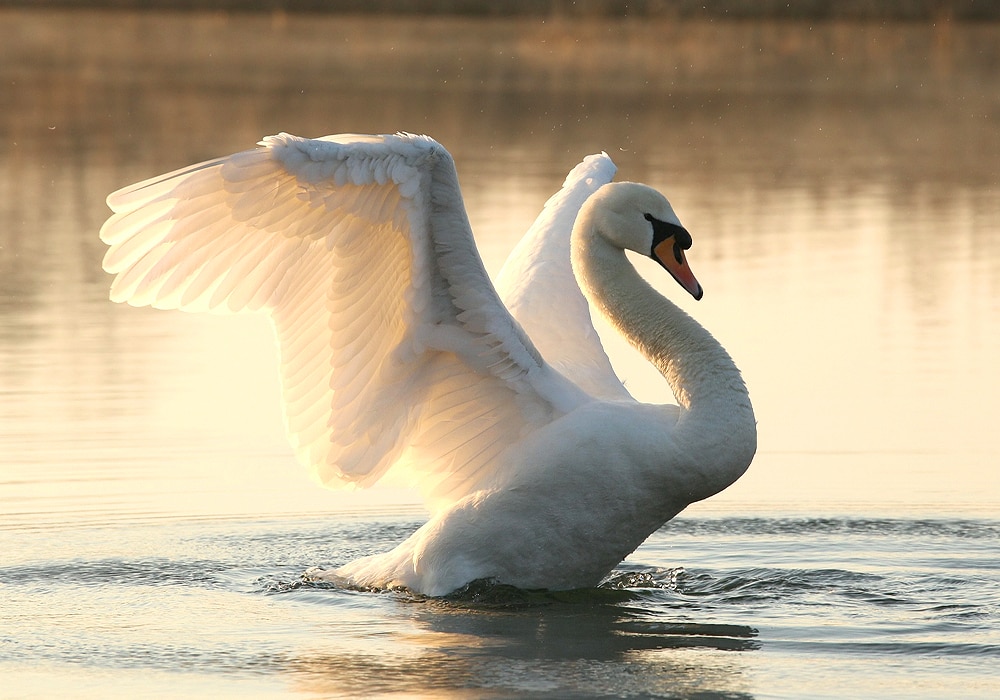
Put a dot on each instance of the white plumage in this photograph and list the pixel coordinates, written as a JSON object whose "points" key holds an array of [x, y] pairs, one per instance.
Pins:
{"points": [[397, 353]]}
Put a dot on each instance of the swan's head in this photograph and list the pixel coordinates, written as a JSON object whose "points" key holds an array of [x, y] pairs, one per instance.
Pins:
{"points": [[638, 218]]}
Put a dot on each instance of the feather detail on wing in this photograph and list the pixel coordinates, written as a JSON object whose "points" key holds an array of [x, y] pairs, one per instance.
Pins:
{"points": [[395, 349], [539, 288]]}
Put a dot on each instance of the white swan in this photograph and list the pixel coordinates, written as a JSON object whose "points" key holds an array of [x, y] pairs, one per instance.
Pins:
{"points": [[397, 353]]}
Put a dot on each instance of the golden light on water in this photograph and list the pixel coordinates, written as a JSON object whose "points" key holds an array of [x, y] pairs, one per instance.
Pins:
{"points": [[845, 238], [854, 384]]}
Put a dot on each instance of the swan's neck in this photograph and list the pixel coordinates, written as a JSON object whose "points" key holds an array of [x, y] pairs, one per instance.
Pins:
{"points": [[698, 369], [716, 415]]}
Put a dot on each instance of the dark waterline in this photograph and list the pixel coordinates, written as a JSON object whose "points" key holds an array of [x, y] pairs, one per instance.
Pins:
{"points": [[898, 10]]}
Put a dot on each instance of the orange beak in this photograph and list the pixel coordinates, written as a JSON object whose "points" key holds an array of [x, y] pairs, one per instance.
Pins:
{"points": [[671, 256]]}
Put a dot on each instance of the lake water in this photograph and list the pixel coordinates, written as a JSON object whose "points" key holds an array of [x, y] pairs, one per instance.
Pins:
{"points": [[842, 184]]}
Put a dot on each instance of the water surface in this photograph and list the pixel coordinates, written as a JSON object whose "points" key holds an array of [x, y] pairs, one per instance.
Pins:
{"points": [[841, 185]]}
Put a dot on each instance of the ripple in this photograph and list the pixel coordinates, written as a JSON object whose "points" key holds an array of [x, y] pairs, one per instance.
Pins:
{"points": [[102, 572], [882, 527]]}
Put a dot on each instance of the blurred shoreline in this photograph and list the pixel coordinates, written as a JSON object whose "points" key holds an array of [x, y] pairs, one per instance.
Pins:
{"points": [[449, 53], [859, 10]]}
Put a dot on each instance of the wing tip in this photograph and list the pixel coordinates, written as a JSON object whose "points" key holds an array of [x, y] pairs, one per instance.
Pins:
{"points": [[133, 196], [597, 166]]}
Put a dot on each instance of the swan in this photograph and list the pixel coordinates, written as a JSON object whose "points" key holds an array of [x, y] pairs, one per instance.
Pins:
{"points": [[399, 356]]}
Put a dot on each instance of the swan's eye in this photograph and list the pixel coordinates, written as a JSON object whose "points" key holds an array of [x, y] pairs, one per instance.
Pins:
{"points": [[662, 230]]}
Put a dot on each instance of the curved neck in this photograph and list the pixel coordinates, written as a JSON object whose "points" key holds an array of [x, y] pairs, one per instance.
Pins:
{"points": [[695, 365], [711, 441], [716, 411]]}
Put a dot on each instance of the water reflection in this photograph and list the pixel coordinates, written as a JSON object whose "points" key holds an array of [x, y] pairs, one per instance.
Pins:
{"points": [[840, 180], [573, 649]]}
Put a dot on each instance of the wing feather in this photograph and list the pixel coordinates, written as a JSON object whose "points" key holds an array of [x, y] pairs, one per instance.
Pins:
{"points": [[539, 288], [396, 351]]}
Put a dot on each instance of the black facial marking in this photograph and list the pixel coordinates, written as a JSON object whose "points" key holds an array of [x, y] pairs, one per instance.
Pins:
{"points": [[662, 230]]}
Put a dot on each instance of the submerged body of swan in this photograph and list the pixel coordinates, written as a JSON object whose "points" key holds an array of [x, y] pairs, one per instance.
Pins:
{"points": [[399, 355]]}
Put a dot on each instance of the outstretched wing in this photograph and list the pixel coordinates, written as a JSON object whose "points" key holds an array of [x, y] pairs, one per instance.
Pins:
{"points": [[395, 348], [538, 286]]}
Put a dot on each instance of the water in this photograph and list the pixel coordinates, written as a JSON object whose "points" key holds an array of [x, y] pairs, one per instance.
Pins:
{"points": [[714, 607], [841, 185]]}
